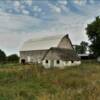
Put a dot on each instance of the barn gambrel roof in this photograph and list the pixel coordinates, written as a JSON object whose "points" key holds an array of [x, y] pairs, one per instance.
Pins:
{"points": [[43, 43]]}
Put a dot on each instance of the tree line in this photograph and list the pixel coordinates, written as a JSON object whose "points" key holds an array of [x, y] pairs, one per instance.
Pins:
{"points": [[82, 48], [93, 33], [8, 59]]}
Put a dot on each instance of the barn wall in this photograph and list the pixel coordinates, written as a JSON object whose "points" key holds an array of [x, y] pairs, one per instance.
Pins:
{"points": [[49, 65], [46, 65], [70, 63], [32, 56], [62, 64]]}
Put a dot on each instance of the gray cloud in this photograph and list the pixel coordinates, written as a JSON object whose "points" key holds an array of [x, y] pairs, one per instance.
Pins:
{"points": [[15, 29]]}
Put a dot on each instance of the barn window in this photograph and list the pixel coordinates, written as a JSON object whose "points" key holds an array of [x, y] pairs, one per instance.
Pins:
{"points": [[58, 61], [46, 61]]}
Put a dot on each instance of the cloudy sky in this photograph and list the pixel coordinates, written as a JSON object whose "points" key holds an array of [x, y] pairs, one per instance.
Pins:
{"points": [[21, 20]]}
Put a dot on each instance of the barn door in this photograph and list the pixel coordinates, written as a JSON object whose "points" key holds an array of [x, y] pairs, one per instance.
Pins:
{"points": [[52, 63]]}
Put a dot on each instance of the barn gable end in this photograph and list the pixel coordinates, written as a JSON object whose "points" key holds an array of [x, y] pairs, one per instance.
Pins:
{"points": [[65, 43]]}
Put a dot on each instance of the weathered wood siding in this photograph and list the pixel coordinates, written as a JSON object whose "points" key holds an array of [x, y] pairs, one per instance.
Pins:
{"points": [[32, 56], [65, 43]]}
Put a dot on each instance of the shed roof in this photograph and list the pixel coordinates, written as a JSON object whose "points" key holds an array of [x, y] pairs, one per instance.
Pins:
{"points": [[61, 53]]}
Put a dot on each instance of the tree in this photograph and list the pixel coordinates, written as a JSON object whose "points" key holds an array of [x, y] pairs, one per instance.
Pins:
{"points": [[93, 32], [78, 49], [2, 56], [13, 58], [82, 48]]}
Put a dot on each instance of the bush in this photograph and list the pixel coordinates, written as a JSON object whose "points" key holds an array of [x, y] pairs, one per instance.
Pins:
{"points": [[2, 57], [13, 58]]}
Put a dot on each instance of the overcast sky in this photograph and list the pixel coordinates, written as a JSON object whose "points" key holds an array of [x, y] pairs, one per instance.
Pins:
{"points": [[21, 20]]}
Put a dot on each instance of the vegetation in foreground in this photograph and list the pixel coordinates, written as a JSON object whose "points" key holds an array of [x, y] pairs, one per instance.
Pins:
{"points": [[32, 82]]}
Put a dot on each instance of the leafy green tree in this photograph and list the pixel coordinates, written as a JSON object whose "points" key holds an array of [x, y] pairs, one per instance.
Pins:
{"points": [[93, 32], [2, 57], [78, 49], [82, 48], [13, 58]]}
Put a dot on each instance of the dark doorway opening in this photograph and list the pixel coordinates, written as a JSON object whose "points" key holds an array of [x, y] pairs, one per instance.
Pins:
{"points": [[58, 62], [23, 61], [46, 61], [72, 61]]}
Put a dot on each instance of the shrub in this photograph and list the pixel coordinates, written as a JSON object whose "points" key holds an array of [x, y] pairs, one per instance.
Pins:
{"points": [[2, 57], [13, 58]]}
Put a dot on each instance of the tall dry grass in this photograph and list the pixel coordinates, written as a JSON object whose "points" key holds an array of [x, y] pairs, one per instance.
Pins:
{"points": [[33, 82]]}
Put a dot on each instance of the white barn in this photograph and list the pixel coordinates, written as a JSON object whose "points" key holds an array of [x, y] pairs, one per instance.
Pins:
{"points": [[55, 51]]}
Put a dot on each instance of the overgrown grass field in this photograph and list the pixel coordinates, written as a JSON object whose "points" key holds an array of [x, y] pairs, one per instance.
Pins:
{"points": [[32, 82]]}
